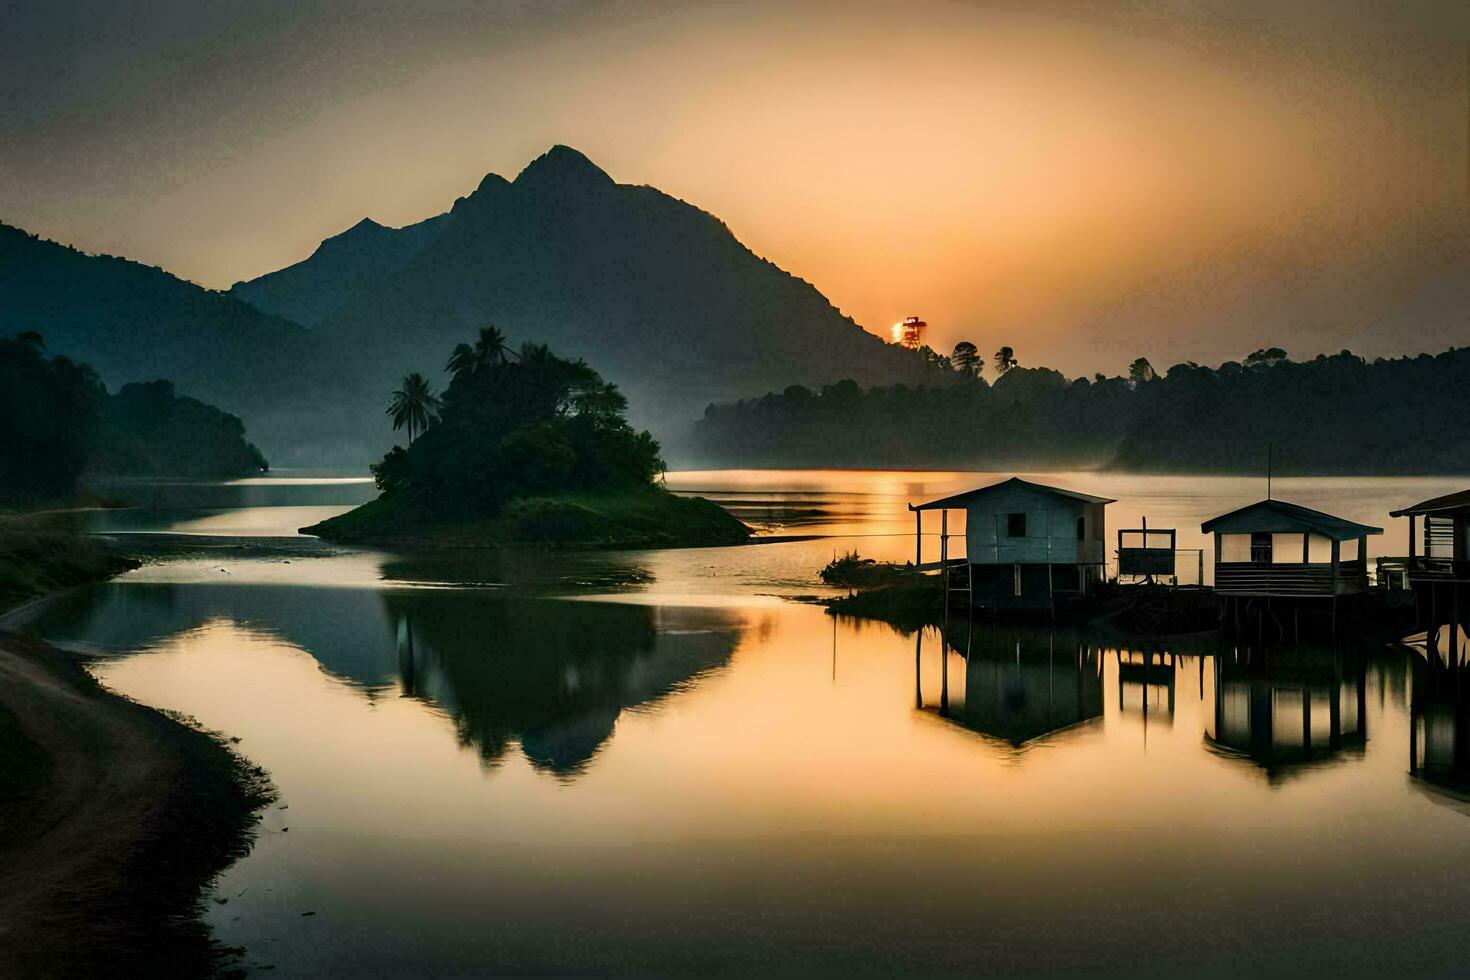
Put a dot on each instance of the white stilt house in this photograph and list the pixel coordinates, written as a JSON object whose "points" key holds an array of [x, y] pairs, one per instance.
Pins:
{"points": [[1026, 545]]}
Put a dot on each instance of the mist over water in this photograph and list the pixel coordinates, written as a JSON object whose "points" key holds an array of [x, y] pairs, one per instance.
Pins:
{"points": [[650, 761]]}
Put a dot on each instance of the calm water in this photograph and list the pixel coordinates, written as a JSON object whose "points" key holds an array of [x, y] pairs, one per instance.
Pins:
{"points": [[652, 761]]}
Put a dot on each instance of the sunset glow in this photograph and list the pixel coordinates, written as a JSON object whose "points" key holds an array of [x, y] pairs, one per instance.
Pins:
{"points": [[1084, 184]]}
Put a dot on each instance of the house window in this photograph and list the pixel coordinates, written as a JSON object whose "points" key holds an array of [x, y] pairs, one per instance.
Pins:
{"points": [[1261, 547], [1235, 548], [1081, 528], [1319, 549], [1016, 573], [1016, 526]]}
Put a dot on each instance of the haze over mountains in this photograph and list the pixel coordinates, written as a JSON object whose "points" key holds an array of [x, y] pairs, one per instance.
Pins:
{"points": [[656, 294]]}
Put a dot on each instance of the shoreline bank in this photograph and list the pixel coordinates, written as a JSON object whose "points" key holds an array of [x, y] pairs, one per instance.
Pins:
{"points": [[114, 819]]}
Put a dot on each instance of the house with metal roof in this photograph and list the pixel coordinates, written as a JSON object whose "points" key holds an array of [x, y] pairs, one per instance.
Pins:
{"points": [[1439, 536], [1437, 567], [1275, 548], [1027, 545]]}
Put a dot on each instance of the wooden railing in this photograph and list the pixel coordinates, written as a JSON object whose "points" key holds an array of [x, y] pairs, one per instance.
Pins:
{"points": [[1263, 578], [1398, 572]]}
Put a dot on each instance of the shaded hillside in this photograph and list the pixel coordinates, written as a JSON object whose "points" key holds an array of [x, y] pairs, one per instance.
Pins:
{"points": [[669, 304], [342, 266], [133, 322], [1332, 414]]}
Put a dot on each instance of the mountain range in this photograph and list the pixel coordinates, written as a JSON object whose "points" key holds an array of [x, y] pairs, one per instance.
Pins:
{"points": [[655, 293]]}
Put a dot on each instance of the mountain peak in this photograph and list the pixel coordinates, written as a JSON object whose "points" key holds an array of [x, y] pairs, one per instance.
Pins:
{"points": [[562, 166], [366, 229]]}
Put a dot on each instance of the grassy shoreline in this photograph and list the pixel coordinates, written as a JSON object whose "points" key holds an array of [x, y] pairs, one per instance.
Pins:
{"points": [[47, 551], [114, 817]]}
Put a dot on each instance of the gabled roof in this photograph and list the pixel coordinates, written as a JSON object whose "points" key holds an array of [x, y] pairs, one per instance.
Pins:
{"points": [[1278, 515], [1450, 501], [965, 496]]}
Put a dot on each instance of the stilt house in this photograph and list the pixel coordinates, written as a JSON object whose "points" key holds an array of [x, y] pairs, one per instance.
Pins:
{"points": [[1027, 545], [1273, 548]]}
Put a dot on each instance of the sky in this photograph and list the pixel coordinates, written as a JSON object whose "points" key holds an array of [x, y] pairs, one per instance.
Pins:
{"points": [[1087, 183]]}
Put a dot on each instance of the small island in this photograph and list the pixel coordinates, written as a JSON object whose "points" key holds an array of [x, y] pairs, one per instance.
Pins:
{"points": [[523, 448]]}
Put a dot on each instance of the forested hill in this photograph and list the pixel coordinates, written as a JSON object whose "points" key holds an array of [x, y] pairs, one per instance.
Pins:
{"points": [[1334, 414], [59, 424], [133, 322]]}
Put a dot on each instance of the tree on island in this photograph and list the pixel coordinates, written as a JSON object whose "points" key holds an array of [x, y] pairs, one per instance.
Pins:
{"points": [[510, 428], [528, 447], [1005, 359], [413, 405], [488, 349]]}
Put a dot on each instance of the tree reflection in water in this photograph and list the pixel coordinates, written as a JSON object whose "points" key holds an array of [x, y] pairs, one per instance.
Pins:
{"points": [[551, 676]]}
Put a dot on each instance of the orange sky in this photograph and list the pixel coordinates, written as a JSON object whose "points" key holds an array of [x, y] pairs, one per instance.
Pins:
{"points": [[1171, 179]]}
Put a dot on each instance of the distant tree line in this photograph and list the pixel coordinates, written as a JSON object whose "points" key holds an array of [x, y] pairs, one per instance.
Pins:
{"points": [[58, 424], [1333, 414]]}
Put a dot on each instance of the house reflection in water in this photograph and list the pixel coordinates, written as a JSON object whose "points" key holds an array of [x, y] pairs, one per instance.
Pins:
{"points": [[1290, 710], [1146, 683], [1018, 685], [1439, 726]]}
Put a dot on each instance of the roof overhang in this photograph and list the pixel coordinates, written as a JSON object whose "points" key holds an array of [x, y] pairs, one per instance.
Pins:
{"points": [[1278, 516], [963, 498], [1436, 505]]}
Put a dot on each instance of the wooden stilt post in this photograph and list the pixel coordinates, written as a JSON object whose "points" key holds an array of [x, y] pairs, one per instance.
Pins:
{"points": [[918, 668], [943, 676], [1307, 721], [944, 560]]}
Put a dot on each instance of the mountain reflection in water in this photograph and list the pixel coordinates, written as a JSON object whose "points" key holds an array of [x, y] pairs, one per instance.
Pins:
{"points": [[551, 676], [479, 780]]}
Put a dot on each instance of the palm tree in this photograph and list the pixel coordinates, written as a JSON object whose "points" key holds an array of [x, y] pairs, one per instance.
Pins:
{"points": [[413, 405], [490, 348], [462, 362], [601, 402], [466, 361], [1005, 359]]}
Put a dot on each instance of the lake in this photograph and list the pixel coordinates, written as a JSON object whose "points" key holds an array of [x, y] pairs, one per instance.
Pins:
{"points": [[659, 761]]}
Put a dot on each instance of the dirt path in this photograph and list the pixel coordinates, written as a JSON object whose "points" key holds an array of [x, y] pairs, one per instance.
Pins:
{"points": [[113, 817]]}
